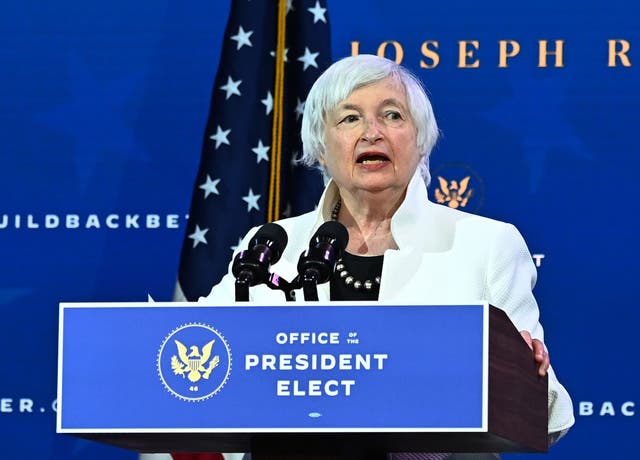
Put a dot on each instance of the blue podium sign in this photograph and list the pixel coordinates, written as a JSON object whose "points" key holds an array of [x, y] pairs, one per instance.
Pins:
{"points": [[272, 368]]}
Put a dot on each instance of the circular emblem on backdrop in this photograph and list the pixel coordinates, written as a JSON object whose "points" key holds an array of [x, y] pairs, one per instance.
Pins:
{"points": [[458, 186], [194, 362]]}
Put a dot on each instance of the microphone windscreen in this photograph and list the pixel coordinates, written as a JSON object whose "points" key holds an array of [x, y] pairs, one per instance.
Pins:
{"points": [[335, 230], [276, 236]]}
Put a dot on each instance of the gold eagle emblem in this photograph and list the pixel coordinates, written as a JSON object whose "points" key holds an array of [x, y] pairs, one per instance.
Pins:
{"points": [[193, 364], [453, 193]]}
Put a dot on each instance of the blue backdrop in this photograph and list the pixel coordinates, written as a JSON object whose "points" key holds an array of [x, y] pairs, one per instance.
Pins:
{"points": [[102, 112]]}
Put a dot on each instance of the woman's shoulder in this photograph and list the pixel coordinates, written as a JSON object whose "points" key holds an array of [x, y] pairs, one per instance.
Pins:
{"points": [[306, 220], [445, 213]]}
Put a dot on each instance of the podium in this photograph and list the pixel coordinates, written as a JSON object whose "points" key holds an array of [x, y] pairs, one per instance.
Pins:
{"points": [[308, 380]]}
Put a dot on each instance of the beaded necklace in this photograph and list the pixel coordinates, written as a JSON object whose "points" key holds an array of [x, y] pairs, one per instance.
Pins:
{"points": [[341, 269]]}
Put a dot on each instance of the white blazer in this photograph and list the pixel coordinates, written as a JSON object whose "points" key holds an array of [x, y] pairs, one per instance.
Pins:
{"points": [[443, 256]]}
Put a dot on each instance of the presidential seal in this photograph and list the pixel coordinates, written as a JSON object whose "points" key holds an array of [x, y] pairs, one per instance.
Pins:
{"points": [[458, 186], [194, 362]]}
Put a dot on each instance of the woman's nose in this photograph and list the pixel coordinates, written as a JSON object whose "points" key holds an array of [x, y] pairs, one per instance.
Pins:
{"points": [[371, 131]]}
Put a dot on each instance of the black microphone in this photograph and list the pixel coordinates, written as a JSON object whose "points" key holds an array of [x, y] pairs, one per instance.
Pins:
{"points": [[318, 262], [251, 266]]}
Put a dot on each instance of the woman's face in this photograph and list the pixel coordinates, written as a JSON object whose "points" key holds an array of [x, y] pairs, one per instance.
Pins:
{"points": [[370, 140]]}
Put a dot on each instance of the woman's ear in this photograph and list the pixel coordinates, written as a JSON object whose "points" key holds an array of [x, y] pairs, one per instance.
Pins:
{"points": [[321, 159]]}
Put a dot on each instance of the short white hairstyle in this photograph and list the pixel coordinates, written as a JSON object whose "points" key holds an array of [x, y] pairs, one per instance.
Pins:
{"points": [[350, 74]]}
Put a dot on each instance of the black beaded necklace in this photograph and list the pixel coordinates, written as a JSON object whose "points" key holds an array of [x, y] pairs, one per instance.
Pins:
{"points": [[341, 269]]}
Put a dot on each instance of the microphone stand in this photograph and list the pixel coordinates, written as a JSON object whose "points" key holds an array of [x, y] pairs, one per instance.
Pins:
{"points": [[275, 282], [310, 279], [243, 281]]}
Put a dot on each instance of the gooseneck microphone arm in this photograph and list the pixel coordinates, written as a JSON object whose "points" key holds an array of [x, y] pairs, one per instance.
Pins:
{"points": [[317, 263]]}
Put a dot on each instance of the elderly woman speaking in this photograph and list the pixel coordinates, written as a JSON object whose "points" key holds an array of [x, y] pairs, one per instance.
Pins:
{"points": [[370, 127]]}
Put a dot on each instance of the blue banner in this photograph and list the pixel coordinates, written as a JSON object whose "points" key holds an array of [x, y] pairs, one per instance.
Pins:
{"points": [[348, 367]]}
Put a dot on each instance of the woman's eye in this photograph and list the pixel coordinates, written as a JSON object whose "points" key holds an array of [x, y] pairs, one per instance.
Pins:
{"points": [[393, 115], [349, 119]]}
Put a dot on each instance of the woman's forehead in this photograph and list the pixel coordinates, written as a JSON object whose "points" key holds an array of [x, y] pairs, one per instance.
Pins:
{"points": [[387, 91]]}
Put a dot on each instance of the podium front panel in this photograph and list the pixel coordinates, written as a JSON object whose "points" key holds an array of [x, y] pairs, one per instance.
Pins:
{"points": [[272, 368]]}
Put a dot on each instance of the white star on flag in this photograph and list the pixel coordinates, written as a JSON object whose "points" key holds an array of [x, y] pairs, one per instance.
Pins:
{"points": [[268, 103], [252, 201], [299, 108], [290, 5], [242, 38], [210, 186], [233, 248], [261, 151], [318, 13], [231, 87], [198, 236], [308, 58], [286, 51], [220, 137]]}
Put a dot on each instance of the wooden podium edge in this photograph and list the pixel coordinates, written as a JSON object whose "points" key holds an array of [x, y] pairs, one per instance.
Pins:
{"points": [[518, 396], [289, 446]]}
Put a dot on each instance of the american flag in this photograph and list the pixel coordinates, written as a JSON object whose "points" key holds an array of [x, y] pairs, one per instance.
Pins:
{"points": [[272, 52]]}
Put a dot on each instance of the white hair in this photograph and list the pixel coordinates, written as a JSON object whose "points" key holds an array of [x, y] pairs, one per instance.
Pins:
{"points": [[349, 74]]}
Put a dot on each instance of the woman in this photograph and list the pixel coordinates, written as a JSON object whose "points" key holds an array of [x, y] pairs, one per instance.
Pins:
{"points": [[369, 126]]}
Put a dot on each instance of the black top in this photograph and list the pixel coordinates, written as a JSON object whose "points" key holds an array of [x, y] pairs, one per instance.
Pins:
{"points": [[361, 268]]}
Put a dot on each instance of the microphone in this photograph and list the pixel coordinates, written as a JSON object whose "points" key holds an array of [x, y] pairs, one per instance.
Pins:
{"points": [[318, 262], [251, 266]]}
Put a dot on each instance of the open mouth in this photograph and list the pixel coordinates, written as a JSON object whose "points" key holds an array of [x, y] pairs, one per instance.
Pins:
{"points": [[372, 158]]}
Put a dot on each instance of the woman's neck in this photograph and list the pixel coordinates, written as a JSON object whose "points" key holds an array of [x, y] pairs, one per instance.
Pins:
{"points": [[368, 221]]}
